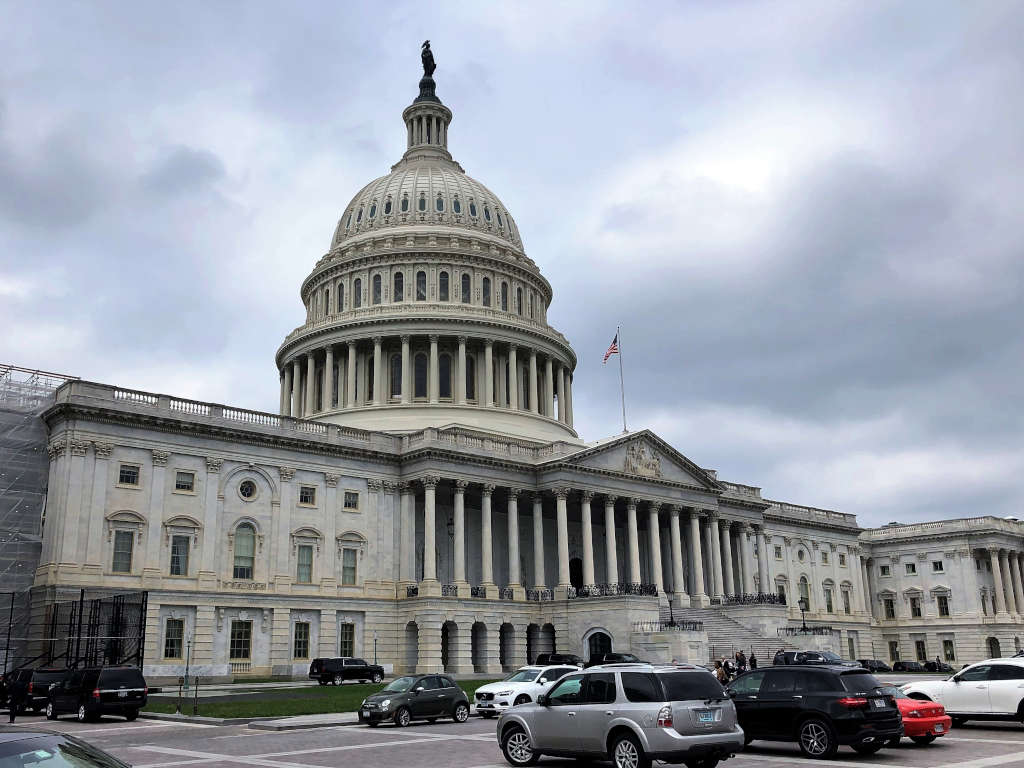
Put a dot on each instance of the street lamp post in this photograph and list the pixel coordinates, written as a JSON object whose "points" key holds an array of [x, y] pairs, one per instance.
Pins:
{"points": [[188, 658], [375, 646], [804, 605]]}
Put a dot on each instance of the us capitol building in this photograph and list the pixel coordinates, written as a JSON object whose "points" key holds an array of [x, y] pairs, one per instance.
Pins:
{"points": [[422, 497]]}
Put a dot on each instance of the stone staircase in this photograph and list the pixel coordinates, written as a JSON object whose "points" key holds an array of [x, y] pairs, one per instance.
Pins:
{"points": [[726, 635]]}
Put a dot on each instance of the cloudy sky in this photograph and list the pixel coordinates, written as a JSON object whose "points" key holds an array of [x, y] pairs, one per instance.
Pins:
{"points": [[806, 217]]}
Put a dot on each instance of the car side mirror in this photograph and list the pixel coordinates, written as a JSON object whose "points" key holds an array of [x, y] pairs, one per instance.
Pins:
{"points": [[956, 678], [418, 689], [543, 681], [543, 700]]}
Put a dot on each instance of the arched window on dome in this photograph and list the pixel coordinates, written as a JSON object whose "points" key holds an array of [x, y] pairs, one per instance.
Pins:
{"points": [[398, 294], [396, 376], [376, 289], [327, 301], [444, 367], [504, 296], [498, 214], [472, 209], [519, 301], [387, 207], [439, 204], [470, 377], [341, 297], [405, 203], [357, 293], [420, 376], [421, 286], [531, 305], [348, 223], [487, 213], [487, 291], [373, 209], [442, 286], [456, 205], [422, 205], [467, 293], [359, 216]]}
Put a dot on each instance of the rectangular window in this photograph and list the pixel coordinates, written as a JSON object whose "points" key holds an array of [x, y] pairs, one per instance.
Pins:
{"points": [[894, 650], [948, 650], [937, 566], [185, 481], [824, 558], [890, 608], [943, 601], [307, 495], [348, 567], [128, 474], [846, 602], [915, 607], [842, 560], [304, 570], [911, 568], [174, 637], [241, 640], [883, 570], [179, 555], [920, 650], [778, 553], [123, 543], [352, 500], [828, 600], [301, 645], [851, 646], [347, 640]]}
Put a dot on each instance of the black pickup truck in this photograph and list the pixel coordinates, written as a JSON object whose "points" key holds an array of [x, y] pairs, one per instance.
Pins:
{"points": [[338, 670]]}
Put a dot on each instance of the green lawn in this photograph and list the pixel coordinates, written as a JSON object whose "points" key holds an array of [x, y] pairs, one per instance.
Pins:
{"points": [[284, 702]]}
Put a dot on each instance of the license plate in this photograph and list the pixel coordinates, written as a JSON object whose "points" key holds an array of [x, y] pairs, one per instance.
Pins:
{"points": [[940, 728], [122, 694], [878, 703], [706, 717], [366, 713]]}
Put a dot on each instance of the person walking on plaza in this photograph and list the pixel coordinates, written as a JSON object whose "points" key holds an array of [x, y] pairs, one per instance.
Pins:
{"points": [[16, 691], [720, 673], [780, 657], [753, 660], [741, 661]]}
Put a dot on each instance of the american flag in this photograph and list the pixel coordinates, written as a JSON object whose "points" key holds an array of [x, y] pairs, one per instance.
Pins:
{"points": [[613, 349]]}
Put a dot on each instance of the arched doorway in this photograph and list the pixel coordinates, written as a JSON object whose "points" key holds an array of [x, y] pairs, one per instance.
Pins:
{"points": [[598, 643], [576, 573], [994, 651], [506, 648], [412, 646], [547, 635], [532, 643], [478, 647], [449, 639]]}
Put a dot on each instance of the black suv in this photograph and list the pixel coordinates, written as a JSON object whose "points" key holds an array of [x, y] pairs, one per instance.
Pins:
{"points": [[613, 658], [343, 668], [874, 665], [92, 692], [37, 685], [547, 659], [819, 707], [908, 666], [822, 657]]}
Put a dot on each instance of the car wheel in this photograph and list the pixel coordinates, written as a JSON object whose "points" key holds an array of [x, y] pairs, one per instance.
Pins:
{"points": [[924, 741], [338, 679], [816, 739], [461, 713], [516, 747], [377, 677], [83, 714], [522, 699], [626, 752], [51, 713], [868, 749], [133, 715], [402, 717]]}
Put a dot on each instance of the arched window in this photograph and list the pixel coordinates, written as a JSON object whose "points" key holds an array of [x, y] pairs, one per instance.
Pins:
{"points": [[420, 375], [470, 377], [487, 213], [456, 205], [398, 294], [531, 305], [519, 301], [373, 209], [348, 222], [396, 375], [444, 368], [439, 204], [504, 297], [405, 203], [805, 592], [421, 286], [359, 216], [442, 286], [472, 209], [357, 293], [245, 552], [498, 213], [423, 202], [487, 291], [327, 300], [369, 377], [376, 289], [387, 207], [467, 293], [341, 297]]}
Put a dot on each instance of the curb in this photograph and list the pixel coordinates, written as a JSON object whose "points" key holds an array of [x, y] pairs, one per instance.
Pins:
{"points": [[272, 726], [201, 719]]}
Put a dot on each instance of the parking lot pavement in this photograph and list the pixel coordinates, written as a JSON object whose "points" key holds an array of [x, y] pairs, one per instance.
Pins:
{"points": [[469, 745]]}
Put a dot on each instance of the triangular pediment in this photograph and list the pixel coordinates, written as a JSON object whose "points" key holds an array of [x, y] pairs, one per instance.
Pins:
{"points": [[643, 455]]}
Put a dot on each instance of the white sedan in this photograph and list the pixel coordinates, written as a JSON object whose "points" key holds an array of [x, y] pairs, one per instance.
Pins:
{"points": [[521, 687], [989, 690]]}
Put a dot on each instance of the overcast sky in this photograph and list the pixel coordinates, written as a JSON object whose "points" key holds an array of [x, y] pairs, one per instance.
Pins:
{"points": [[806, 217]]}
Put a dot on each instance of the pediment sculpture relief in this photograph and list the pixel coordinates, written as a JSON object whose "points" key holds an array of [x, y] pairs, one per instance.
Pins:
{"points": [[640, 460]]}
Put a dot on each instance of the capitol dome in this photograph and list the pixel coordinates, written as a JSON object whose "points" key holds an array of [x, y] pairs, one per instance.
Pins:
{"points": [[426, 310]]}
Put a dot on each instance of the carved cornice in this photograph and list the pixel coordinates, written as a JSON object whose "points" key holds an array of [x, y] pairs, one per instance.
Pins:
{"points": [[560, 493], [78, 447], [102, 450], [287, 473], [374, 485], [331, 479], [160, 458]]}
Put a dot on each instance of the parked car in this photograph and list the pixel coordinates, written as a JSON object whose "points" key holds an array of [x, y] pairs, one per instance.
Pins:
{"points": [[521, 687], [92, 692], [20, 748], [415, 697], [874, 665], [629, 714], [818, 706], [613, 658], [822, 657], [37, 682], [907, 666], [788, 657], [989, 690], [544, 659], [338, 670], [923, 721], [937, 666]]}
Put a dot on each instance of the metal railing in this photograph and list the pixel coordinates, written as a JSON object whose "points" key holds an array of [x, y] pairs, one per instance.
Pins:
{"points": [[478, 591], [648, 627], [449, 590], [819, 629], [413, 591], [540, 595], [754, 598], [613, 590], [507, 593]]}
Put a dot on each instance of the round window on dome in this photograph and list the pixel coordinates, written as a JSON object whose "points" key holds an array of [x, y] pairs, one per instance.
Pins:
{"points": [[405, 204], [456, 205], [387, 207], [373, 209], [472, 209], [439, 203], [487, 213]]}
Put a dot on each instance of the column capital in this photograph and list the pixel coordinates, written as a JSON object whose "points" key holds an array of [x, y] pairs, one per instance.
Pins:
{"points": [[353, 344], [213, 463], [378, 340], [632, 503], [488, 343], [610, 499], [406, 488], [405, 337], [673, 510], [461, 486], [159, 457], [513, 493], [512, 346], [533, 353], [463, 339], [374, 485], [331, 480], [560, 493], [488, 489], [433, 338], [746, 528], [430, 481], [586, 496]]}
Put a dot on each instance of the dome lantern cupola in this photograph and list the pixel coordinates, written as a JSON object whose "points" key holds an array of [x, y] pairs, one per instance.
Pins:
{"points": [[427, 119]]}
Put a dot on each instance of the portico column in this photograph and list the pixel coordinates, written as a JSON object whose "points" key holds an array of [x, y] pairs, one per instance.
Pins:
{"points": [[486, 557], [654, 536], [286, 400], [997, 577], [762, 562], [328, 400], [513, 537], [561, 393], [460, 384], [725, 527], [296, 392], [869, 603], [378, 364], [460, 531], [697, 591], [407, 534], [534, 405], [489, 373], [435, 378], [284, 391], [406, 372], [310, 384], [678, 581], [748, 557], [633, 542], [611, 560], [562, 520], [1018, 594], [513, 379], [568, 398], [1011, 605], [549, 389], [429, 543], [713, 555], [588, 538], [350, 372], [539, 581]]}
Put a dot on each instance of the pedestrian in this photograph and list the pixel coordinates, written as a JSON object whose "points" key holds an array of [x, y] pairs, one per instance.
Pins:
{"points": [[730, 668], [741, 661], [720, 673], [16, 691], [753, 660], [780, 657]]}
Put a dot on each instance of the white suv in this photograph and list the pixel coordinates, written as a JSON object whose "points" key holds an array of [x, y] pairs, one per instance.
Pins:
{"points": [[989, 690], [521, 687]]}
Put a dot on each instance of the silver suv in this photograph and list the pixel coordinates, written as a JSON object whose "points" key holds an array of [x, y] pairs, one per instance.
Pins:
{"points": [[629, 713]]}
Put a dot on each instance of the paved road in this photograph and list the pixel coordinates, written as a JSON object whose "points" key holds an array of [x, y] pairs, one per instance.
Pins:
{"points": [[152, 744]]}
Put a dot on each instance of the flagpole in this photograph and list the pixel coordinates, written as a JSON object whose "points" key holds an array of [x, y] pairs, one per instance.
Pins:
{"points": [[622, 385]]}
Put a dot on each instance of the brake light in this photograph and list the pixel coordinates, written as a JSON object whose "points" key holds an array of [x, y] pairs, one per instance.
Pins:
{"points": [[665, 717], [914, 713], [95, 693], [145, 691], [853, 702], [30, 687]]}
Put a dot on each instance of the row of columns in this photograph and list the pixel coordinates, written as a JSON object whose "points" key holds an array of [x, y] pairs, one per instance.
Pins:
{"points": [[1008, 580], [548, 391]]}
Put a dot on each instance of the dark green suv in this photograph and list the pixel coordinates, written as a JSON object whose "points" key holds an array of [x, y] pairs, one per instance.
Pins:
{"points": [[415, 697]]}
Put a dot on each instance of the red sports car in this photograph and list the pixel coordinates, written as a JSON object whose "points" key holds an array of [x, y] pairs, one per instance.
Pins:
{"points": [[923, 721]]}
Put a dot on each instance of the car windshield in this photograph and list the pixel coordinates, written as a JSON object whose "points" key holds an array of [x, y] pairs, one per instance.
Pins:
{"points": [[829, 656], [860, 682], [687, 686], [53, 752], [400, 684], [523, 676], [128, 678], [627, 657]]}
